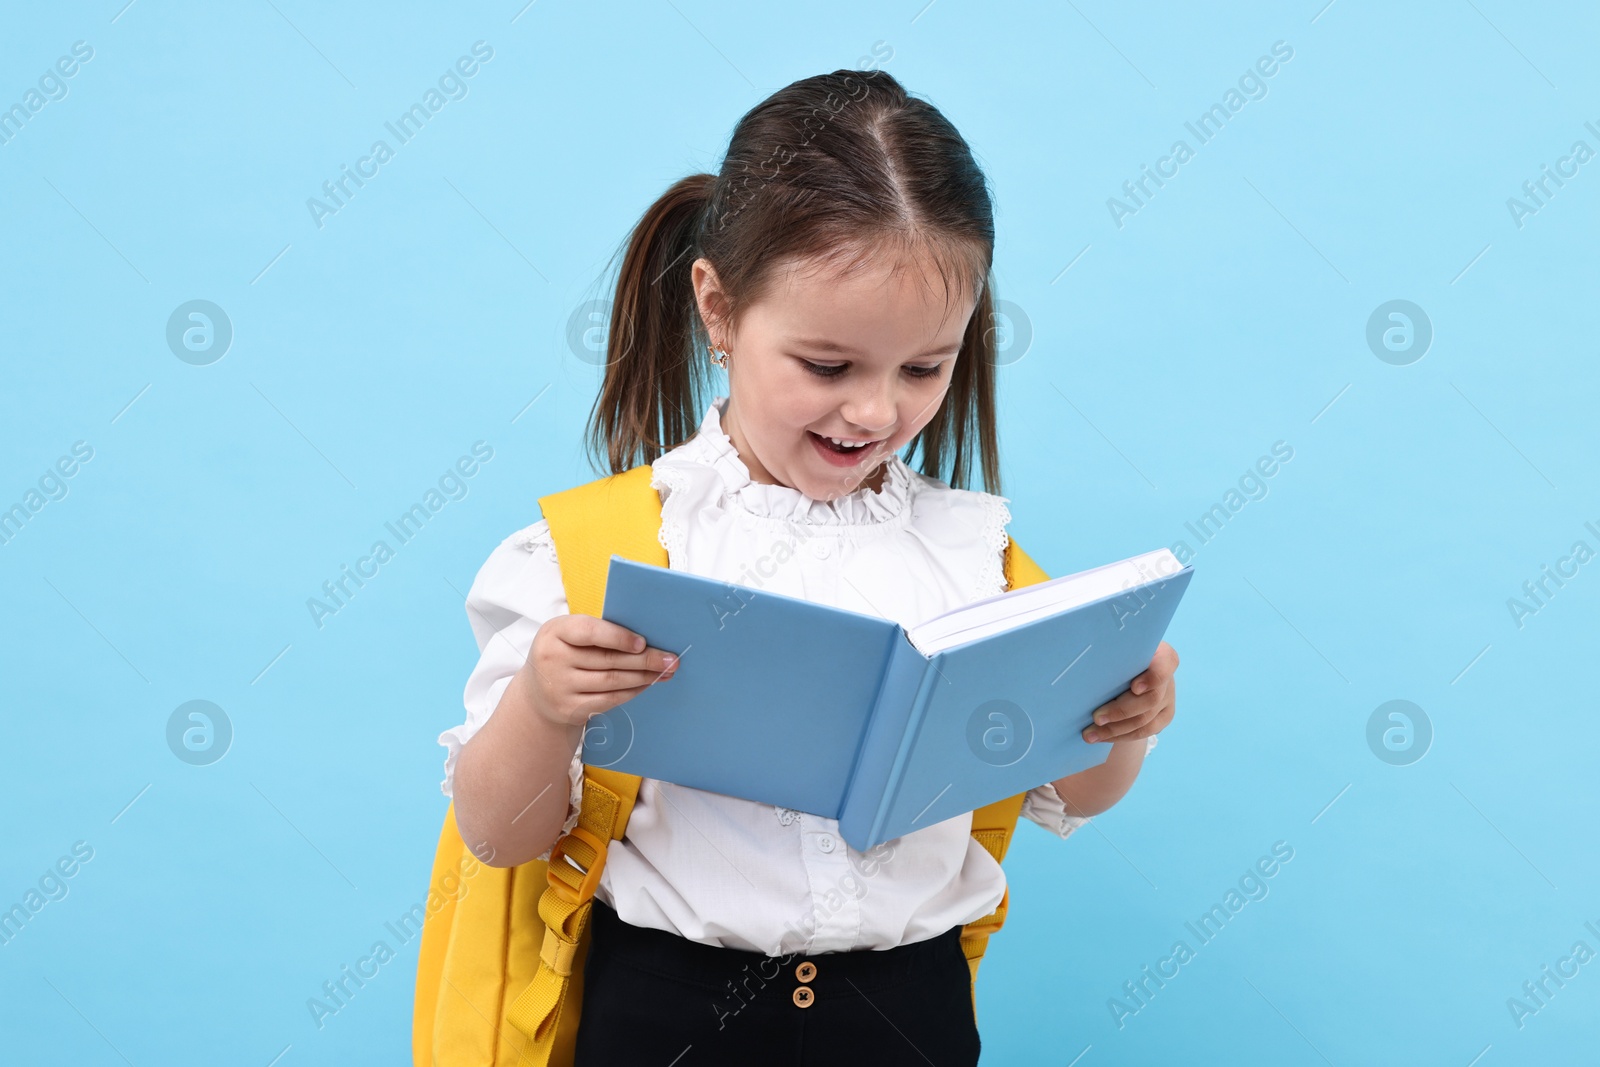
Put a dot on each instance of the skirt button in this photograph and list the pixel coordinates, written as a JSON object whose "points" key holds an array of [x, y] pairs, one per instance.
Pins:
{"points": [[806, 971], [802, 996]]}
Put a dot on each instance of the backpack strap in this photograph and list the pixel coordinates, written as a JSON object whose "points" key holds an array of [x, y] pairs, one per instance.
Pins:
{"points": [[993, 824], [620, 514], [617, 515]]}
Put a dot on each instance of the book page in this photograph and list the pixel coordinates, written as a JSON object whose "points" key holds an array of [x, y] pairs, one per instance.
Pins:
{"points": [[996, 614]]}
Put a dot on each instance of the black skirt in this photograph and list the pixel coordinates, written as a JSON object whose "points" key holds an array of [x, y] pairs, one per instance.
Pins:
{"points": [[652, 997]]}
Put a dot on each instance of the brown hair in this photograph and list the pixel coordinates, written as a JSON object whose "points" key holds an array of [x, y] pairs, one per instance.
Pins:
{"points": [[830, 169]]}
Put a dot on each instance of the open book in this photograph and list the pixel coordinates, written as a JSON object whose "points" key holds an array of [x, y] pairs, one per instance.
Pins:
{"points": [[856, 718]]}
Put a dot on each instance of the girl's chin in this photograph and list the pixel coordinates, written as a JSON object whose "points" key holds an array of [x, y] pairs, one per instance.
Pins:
{"points": [[816, 478], [831, 485]]}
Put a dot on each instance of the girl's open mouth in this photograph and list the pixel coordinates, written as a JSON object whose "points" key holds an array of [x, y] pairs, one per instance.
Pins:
{"points": [[841, 455]]}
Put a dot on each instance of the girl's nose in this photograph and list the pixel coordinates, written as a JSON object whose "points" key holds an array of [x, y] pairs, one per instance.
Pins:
{"points": [[871, 413]]}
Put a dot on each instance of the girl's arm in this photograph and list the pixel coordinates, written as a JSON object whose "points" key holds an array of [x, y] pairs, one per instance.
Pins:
{"points": [[510, 785], [1143, 711], [1093, 791]]}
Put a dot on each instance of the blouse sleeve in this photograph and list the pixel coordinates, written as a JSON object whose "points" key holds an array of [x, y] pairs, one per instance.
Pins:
{"points": [[1044, 805], [515, 591]]}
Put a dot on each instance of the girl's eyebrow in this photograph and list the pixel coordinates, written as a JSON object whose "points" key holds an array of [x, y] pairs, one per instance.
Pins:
{"points": [[822, 344]]}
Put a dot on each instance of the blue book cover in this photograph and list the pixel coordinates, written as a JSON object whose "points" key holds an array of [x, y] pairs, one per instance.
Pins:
{"points": [[790, 702]]}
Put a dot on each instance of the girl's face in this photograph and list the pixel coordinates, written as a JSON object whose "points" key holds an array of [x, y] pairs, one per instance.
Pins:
{"points": [[865, 358]]}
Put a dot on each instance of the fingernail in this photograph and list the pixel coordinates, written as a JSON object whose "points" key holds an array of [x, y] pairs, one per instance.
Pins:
{"points": [[1091, 735], [672, 662]]}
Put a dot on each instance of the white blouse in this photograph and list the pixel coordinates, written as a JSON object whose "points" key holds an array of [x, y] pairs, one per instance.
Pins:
{"points": [[736, 873]]}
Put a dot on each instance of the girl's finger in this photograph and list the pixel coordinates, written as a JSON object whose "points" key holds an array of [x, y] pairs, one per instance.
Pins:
{"points": [[596, 632], [1110, 707], [1125, 706], [594, 703], [595, 658], [1162, 666], [1119, 730], [1153, 727], [609, 681]]}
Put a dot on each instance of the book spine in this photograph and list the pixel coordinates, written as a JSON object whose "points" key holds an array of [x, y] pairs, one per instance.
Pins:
{"points": [[873, 716], [883, 744], [928, 678]]}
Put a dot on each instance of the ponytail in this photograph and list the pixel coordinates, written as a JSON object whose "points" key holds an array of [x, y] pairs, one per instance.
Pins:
{"points": [[650, 399], [965, 422]]}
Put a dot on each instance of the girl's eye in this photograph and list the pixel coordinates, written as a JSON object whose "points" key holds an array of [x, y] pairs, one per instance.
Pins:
{"points": [[833, 370]]}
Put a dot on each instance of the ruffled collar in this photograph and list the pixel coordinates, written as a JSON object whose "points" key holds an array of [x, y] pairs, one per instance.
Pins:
{"points": [[711, 447]]}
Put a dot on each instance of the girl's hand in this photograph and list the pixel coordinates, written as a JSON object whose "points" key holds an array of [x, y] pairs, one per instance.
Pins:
{"points": [[1147, 706], [581, 665]]}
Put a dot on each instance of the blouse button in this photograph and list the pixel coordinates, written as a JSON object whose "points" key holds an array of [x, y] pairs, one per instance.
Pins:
{"points": [[825, 842], [821, 549]]}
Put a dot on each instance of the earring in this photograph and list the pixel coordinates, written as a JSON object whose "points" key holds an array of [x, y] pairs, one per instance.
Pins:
{"points": [[719, 357]]}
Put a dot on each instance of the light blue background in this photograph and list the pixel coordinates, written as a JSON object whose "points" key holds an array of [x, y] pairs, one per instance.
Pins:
{"points": [[1229, 313]]}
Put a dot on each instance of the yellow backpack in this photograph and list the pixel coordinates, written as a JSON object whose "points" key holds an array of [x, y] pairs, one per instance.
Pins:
{"points": [[500, 967]]}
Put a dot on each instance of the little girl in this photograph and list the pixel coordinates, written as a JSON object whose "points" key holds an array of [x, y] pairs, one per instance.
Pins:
{"points": [[839, 268]]}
